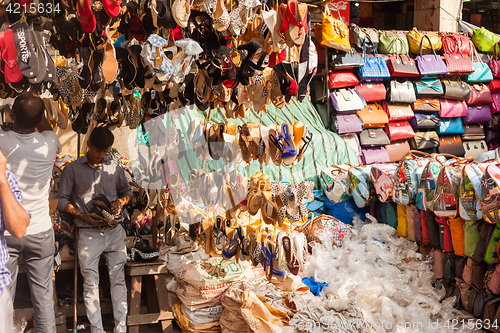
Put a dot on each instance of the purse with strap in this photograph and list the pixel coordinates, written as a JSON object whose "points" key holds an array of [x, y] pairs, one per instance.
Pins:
{"points": [[495, 105], [430, 64], [485, 40], [373, 137], [490, 200], [458, 64], [347, 100], [494, 63], [399, 130], [451, 126], [426, 105], [334, 32], [348, 123], [455, 44], [342, 79], [429, 87], [478, 114], [398, 111], [373, 115], [473, 132], [402, 92], [482, 73], [447, 184], [372, 91], [479, 94], [335, 184], [374, 68], [393, 42], [470, 191], [382, 176], [453, 108], [397, 150], [456, 89], [407, 177], [373, 155], [357, 36], [418, 42], [360, 185], [347, 60], [423, 121], [425, 140], [451, 145], [402, 66], [474, 148]]}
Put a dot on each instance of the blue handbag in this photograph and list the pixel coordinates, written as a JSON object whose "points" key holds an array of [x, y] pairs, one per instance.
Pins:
{"points": [[429, 87], [482, 72], [374, 68], [425, 121], [451, 126]]}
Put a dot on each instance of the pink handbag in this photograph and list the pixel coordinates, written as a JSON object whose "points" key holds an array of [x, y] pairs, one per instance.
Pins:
{"points": [[494, 284], [382, 176], [495, 63], [452, 108], [495, 106]]}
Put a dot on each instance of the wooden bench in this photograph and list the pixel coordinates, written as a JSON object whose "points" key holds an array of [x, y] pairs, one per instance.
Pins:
{"points": [[154, 275]]}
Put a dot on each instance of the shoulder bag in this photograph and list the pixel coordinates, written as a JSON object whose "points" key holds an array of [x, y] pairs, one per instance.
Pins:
{"points": [[458, 64], [348, 123], [479, 94], [402, 92], [453, 108], [335, 183], [374, 68], [426, 105], [456, 89], [357, 36], [334, 32], [495, 105], [373, 137], [372, 91], [423, 121], [401, 65], [399, 130], [451, 126], [393, 42], [397, 150], [474, 148], [473, 132], [485, 40], [451, 145], [494, 63], [478, 114], [455, 44], [398, 111], [482, 73], [373, 115], [342, 79], [382, 176], [360, 185], [416, 37], [347, 60], [425, 140], [429, 87], [430, 64], [375, 155], [347, 100]]}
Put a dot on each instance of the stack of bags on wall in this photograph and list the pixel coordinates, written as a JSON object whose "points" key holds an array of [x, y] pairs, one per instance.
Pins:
{"points": [[448, 204], [384, 104], [200, 286]]}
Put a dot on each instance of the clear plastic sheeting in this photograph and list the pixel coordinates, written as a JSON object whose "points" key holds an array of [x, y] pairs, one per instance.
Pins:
{"points": [[384, 277]]}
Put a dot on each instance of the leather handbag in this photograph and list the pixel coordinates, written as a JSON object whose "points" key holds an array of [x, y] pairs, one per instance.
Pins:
{"points": [[495, 105], [402, 92], [485, 40], [473, 132], [424, 140], [375, 155], [451, 126], [426, 105], [393, 42], [474, 148], [494, 122], [346, 100], [458, 64], [482, 72], [423, 121], [402, 66], [342, 80], [397, 150], [478, 114], [347, 60], [455, 89], [398, 111], [334, 32], [373, 116], [352, 141], [374, 68], [372, 91], [430, 64], [429, 87], [494, 63], [348, 123], [399, 130], [452, 108], [479, 94], [451, 145], [373, 137], [455, 44], [415, 39], [357, 36], [494, 86]]}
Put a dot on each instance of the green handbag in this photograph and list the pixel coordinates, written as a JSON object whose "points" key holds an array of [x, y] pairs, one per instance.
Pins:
{"points": [[485, 40], [471, 237], [393, 42], [491, 256]]}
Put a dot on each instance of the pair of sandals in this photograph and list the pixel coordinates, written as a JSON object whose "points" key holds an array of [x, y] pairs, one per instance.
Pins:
{"points": [[291, 21], [288, 144], [108, 114]]}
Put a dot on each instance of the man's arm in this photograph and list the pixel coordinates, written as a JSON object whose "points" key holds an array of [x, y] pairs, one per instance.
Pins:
{"points": [[43, 125], [124, 192], [15, 218]]}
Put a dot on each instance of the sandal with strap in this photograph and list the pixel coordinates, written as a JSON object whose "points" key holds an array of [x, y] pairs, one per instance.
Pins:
{"points": [[231, 250], [270, 260]]}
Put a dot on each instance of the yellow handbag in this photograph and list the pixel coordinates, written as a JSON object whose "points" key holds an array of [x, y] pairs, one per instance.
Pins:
{"points": [[334, 32], [414, 37]]}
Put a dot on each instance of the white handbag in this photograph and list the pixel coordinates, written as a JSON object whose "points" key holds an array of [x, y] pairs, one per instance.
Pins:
{"points": [[335, 183], [347, 100], [402, 92], [474, 148]]}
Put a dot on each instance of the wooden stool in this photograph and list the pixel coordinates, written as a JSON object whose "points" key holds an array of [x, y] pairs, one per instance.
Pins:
{"points": [[154, 274]]}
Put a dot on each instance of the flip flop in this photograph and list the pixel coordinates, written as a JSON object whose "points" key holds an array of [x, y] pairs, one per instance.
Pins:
{"points": [[9, 56], [47, 62]]}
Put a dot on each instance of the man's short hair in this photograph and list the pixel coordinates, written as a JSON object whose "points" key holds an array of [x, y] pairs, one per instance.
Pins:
{"points": [[101, 138], [28, 110]]}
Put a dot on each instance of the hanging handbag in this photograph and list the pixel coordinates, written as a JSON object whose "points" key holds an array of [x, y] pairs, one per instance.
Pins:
{"points": [[357, 36], [347, 60], [494, 122], [429, 87], [423, 121], [477, 114], [455, 44], [398, 111], [346, 100], [494, 63], [373, 115], [451, 126], [399, 130], [495, 105], [482, 73], [473, 132], [424, 140], [372, 91], [474, 148], [458, 64], [451, 145], [348, 123], [402, 92], [382, 176], [335, 184], [397, 150], [479, 94], [374, 68], [430, 64], [375, 155], [416, 37], [334, 32], [485, 40], [426, 105], [455, 89], [393, 42], [452, 108], [373, 137], [494, 86], [402, 66], [342, 80]]}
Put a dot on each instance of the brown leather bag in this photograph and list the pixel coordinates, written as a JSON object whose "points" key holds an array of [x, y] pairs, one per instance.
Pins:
{"points": [[397, 150], [451, 144], [373, 115]]}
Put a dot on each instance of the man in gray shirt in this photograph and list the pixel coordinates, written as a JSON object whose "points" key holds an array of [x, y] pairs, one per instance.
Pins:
{"points": [[89, 176]]}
